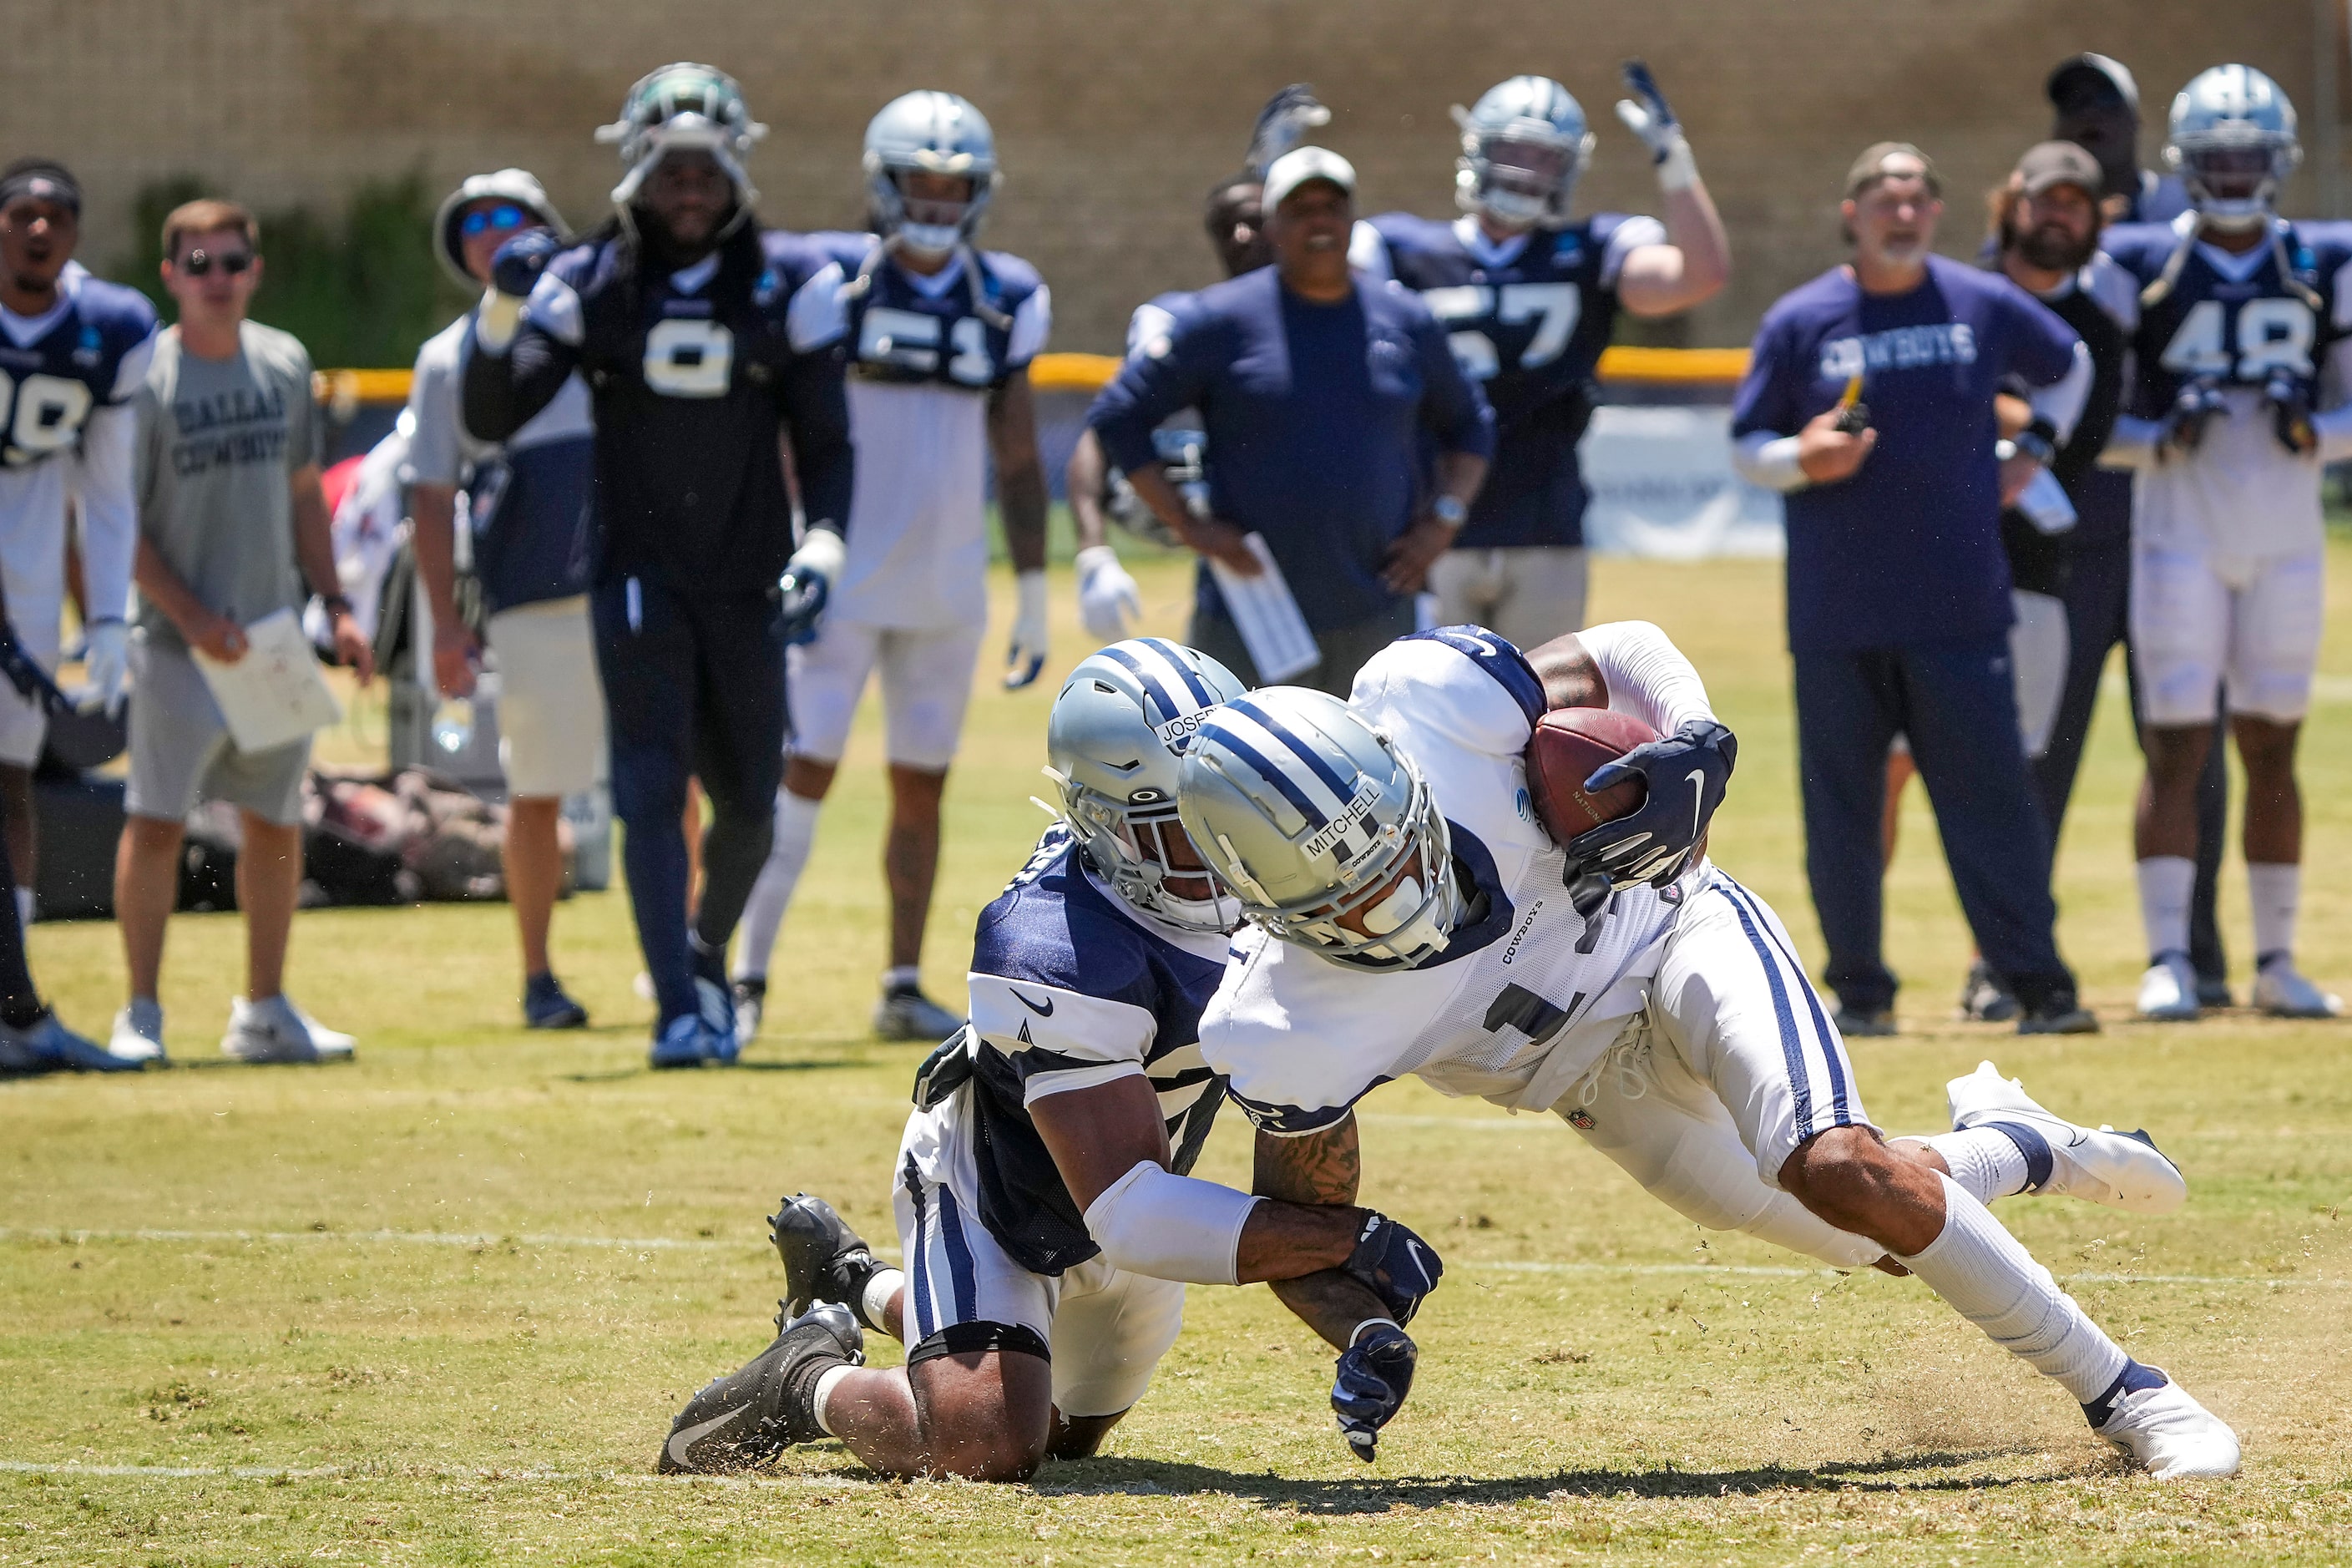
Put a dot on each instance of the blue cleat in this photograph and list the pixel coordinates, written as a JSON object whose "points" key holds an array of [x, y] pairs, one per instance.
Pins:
{"points": [[51, 1044], [545, 1005], [682, 1043]]}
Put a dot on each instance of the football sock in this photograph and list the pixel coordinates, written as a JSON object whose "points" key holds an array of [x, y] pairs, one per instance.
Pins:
{"points": [[902, 977], [2131, 1379], [1990, 1162], [20, 1000], [2277, 892], [772, 895], [25, 906], [874, 1302], [2166, 882], [825, 1383], [1986, 1277]]}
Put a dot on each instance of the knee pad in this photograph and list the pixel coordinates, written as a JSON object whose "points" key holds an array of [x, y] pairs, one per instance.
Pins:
{"points": [[980, 1338]]}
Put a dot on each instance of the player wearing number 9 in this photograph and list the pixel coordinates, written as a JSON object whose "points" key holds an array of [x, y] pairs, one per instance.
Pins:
{"points": [[702, 337], [2240, 312], [1529, 299]]}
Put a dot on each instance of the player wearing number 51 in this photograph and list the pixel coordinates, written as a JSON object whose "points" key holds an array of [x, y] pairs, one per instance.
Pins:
{"points": [[2228, 546], [1528, 300], [704, 337]]}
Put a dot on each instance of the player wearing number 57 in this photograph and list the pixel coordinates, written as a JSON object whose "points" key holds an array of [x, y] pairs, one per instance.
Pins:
{"points": [[704, 338]]}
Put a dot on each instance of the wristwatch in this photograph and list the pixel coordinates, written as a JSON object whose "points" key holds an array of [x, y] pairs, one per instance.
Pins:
{"points": [[1450, 511], [335, 604]]}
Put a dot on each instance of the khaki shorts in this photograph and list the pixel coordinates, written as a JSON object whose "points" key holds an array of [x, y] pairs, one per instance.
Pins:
{"points": [[181, 752], [1527, 594], [551, 703]]}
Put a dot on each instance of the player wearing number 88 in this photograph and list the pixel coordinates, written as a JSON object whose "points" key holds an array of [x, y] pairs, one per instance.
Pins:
{"points": [[1528, 300], [2239, 309]]}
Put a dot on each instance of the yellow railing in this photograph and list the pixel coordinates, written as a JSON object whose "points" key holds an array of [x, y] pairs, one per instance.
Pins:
{"points": [[345, 390]]}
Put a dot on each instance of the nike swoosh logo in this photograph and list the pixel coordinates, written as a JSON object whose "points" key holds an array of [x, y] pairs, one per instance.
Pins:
{"points": [[679, 1442], [1043, 1009], [1698, 799]]}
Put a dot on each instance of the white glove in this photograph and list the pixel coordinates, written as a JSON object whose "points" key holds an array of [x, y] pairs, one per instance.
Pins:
{"points": [[821, 552], [1108, 598], [1660, 132], [1026, 656], [107, 663]]}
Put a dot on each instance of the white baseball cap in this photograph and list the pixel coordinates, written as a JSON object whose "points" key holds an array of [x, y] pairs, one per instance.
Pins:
{"points": [[1300, 164]]}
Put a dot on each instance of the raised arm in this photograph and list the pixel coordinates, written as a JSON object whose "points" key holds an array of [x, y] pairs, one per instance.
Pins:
{"points": [[524, 341]]}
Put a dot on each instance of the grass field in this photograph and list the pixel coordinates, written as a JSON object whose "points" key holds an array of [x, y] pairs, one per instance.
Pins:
{"points": [[439, 1307]]}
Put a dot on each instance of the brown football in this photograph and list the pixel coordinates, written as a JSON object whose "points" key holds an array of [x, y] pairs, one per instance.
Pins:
{"points": [[1568, 745]]}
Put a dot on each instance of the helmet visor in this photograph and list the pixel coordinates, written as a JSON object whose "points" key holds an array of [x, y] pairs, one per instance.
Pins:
{"points": [[1532, 166], [2231, 173], [934, 200]]}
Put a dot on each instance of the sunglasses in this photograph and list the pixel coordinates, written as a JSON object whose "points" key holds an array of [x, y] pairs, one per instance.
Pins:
{"points": [[502, 218], [201, 262]]}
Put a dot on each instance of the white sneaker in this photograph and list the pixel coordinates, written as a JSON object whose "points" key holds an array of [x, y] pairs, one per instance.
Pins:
{"points": [[2283, 993], [2167, 992], [138, 1033], [908, 1015], [2100, 1166], [2172, 1436], [277, 1031]]}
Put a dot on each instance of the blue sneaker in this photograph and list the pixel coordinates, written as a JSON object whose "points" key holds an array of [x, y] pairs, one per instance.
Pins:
{"points": [[714, 998], [682, 1043], [545, 1005], [51, 1044]]}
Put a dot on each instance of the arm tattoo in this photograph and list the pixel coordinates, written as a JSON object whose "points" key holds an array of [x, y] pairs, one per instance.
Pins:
{"points": [[1319, 1168], [1571, 679]]}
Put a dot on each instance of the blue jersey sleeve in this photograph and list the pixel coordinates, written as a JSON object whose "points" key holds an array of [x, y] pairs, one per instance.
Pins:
{"points": [[1152, 385], [1764, 401]]}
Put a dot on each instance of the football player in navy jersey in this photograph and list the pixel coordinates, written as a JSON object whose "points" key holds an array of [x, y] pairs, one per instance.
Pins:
{"points": [[73, 350], [1046, 1220], [1529, 299], [940, 335], [700, 335], [2240, 312]]}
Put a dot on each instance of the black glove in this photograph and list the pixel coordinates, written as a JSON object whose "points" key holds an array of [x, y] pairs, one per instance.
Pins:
{"points": [[2288, 397], [1393, 1264], [804, 595], [516, 267], [2196, 405], [26, 674], [1375, 1374], [1686, 773]]}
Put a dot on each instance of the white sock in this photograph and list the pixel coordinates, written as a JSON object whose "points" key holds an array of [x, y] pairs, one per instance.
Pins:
{"points": [[772, 895], [827, 1381], [25, 906], [2166, 882], [2277, 892], [1979, 1269], [902, 977], [875, 1305], [1986, 1163]]}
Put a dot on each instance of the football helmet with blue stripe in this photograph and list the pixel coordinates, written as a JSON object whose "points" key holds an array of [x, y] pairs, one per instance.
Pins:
{"points": [[1324, 830], [2232, 139], [684, 108], [929, 132], [1112, 744], [1523, 144]]}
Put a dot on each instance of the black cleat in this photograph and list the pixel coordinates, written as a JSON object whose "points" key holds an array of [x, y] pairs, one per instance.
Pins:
{"points": [[750, 1416], [1984, 999], [825, 1260]]}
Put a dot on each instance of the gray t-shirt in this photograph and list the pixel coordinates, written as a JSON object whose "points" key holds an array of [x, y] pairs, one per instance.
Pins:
{"points": [[217, 442]]}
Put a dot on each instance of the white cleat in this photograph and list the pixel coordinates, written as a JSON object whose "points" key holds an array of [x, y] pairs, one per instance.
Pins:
{"points": [[138, 1035], [2167, 992], [2283, 993], [2174, 1438], [2118, 1170], [276, 1031], [908, 1014]]}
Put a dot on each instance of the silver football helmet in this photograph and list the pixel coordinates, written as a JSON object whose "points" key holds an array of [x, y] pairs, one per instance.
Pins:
{"points": [[1112, 744], [684, 108], [1523, 144], [2232, 139], [930, 134], [1311, 815]]}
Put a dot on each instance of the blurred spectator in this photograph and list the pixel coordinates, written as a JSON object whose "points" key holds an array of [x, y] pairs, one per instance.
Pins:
{"points": [[530, 510], [232, 528], [1869, 402], [1320, 392], [2095, 105]]}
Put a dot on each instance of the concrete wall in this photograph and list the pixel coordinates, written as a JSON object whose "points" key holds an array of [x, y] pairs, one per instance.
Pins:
{"points": [[1113, 118]]}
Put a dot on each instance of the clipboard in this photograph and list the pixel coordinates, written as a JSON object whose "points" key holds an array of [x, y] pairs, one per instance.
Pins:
{"points": [[1267, 615], [274, 695]]}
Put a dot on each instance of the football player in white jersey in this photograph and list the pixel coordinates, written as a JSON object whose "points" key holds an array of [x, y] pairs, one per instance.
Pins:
{"points": [[2240, 314], [1410, 915], [941, 337], [73, 350]]}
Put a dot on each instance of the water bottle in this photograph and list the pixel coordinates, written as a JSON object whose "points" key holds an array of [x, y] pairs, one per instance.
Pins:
{"points": [[453, 725]]}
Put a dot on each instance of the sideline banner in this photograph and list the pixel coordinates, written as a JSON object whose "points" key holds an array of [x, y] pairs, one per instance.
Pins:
{"points": [[1662, 486]]}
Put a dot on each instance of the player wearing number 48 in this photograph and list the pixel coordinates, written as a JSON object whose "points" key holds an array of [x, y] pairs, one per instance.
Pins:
{"points": [[2228, 545], [1528, 300]]}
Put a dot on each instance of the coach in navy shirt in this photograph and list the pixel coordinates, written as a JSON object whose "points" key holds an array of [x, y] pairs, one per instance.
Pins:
{"points": [[1321, 391], [1898, 589]]}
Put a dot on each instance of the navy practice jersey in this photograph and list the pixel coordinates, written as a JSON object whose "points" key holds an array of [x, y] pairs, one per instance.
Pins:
{"points": [[1527, 318], [691, 373], [1070, 988], [2233, 318], [1907, 550], [88, 351], [939, 330]]}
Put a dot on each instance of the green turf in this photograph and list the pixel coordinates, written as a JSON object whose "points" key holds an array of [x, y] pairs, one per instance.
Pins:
{"points": [[439, 1306]]}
